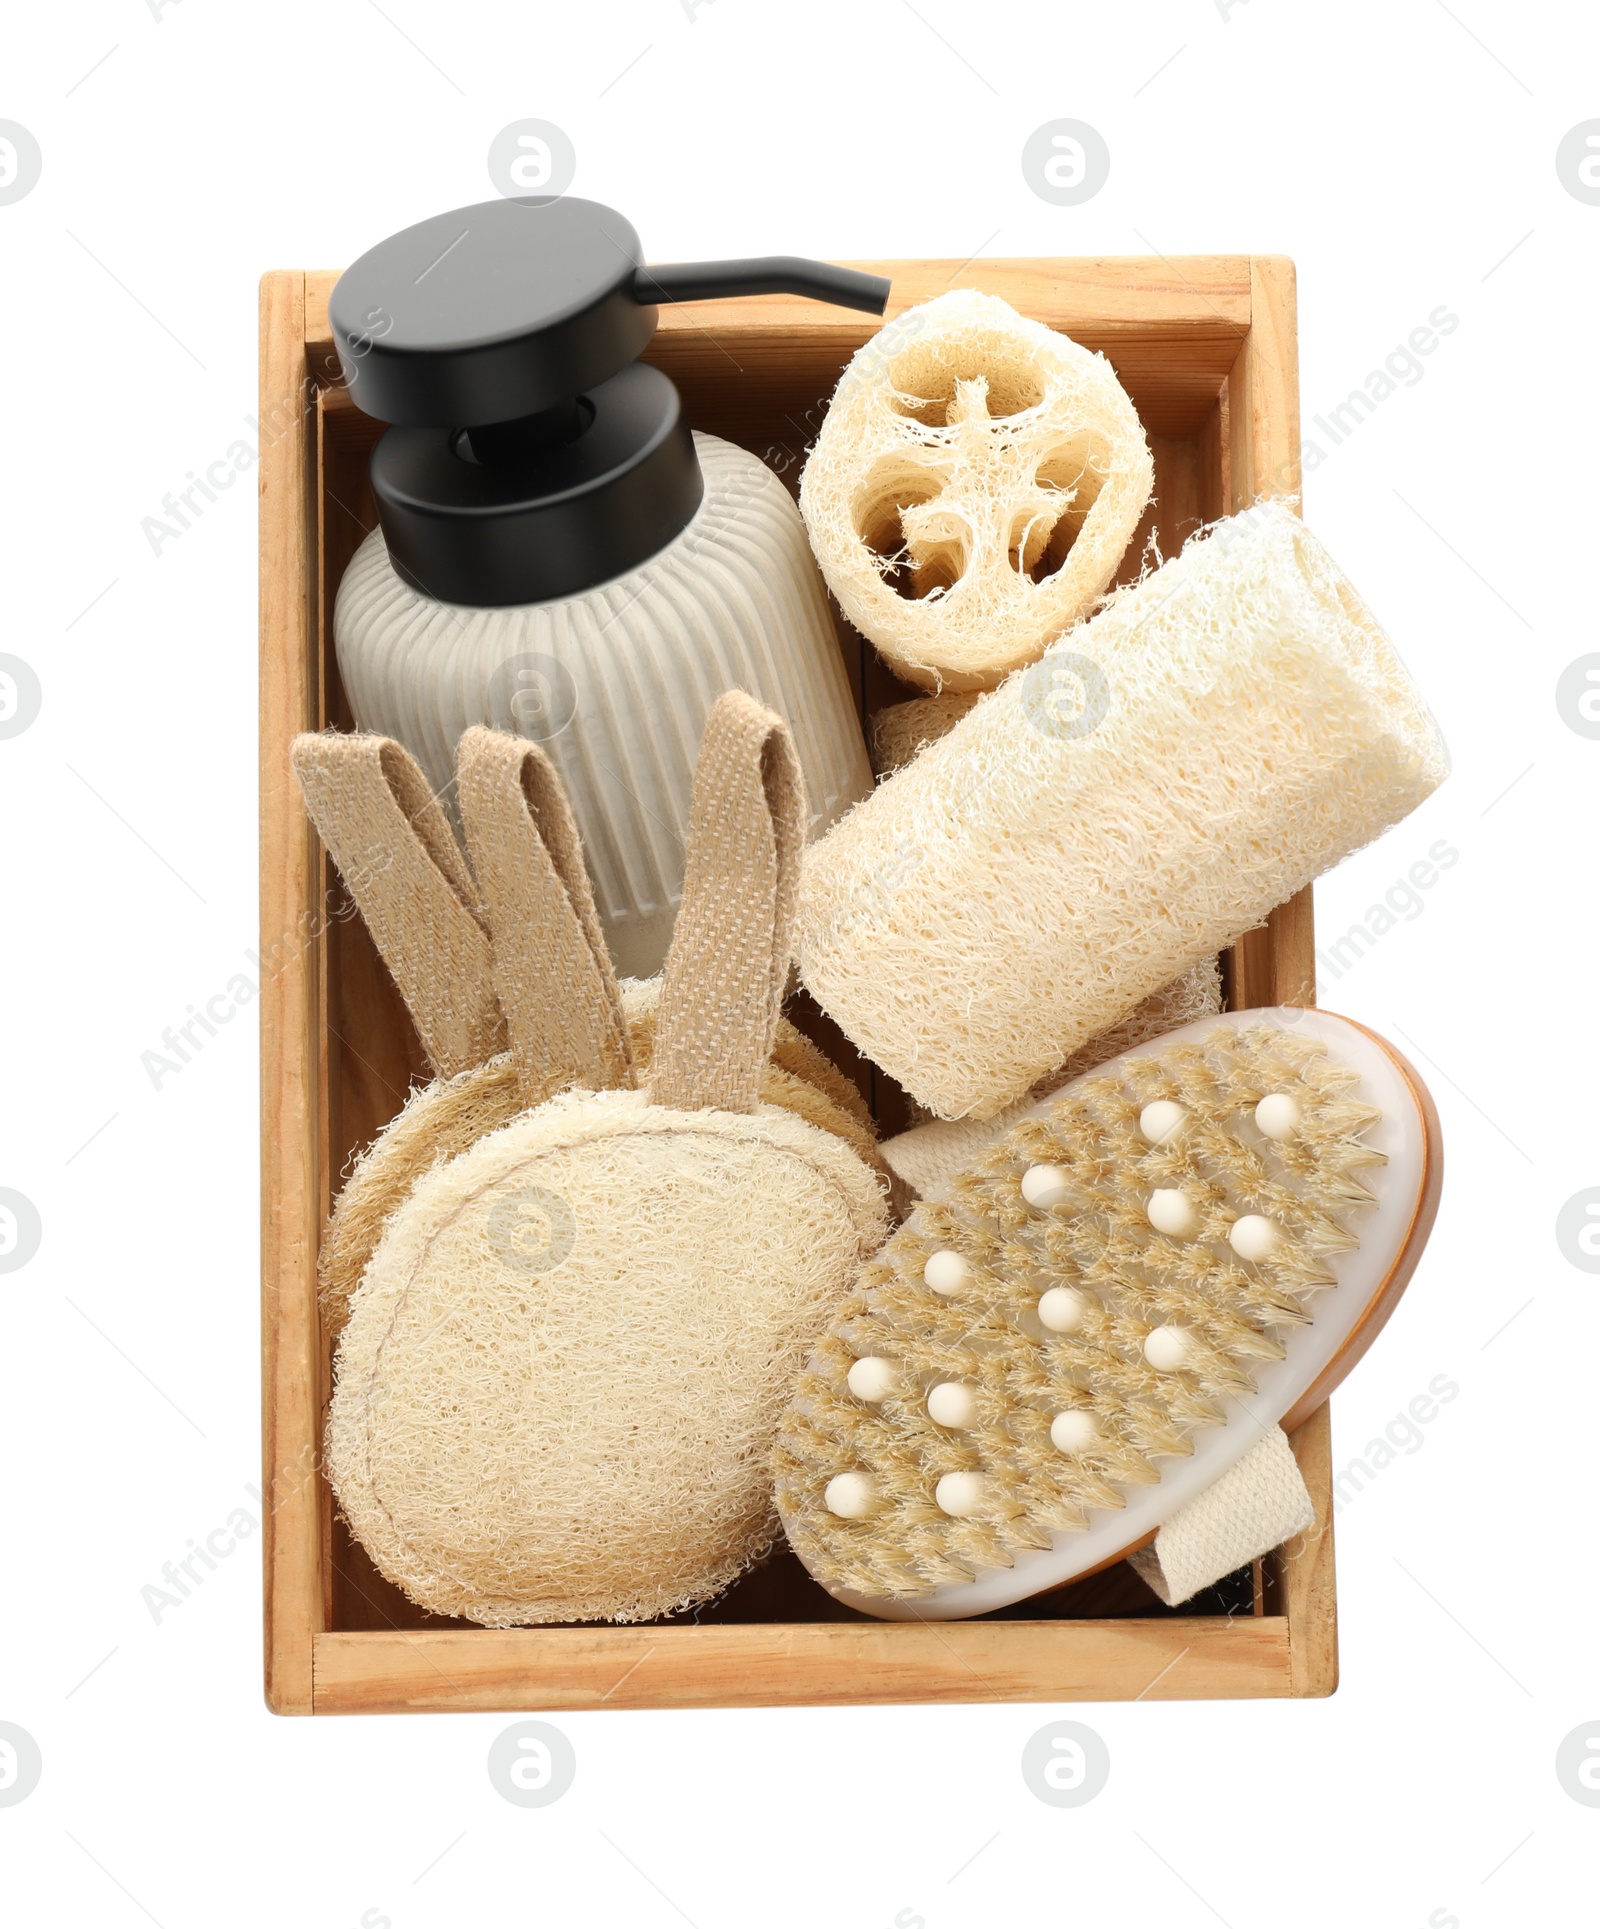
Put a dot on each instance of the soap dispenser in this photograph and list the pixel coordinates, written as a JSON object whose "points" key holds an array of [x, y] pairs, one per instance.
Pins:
{"points": [[557, 553]]}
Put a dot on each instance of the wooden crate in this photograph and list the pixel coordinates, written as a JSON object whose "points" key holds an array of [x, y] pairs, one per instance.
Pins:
{"points": [[1206, 348]]}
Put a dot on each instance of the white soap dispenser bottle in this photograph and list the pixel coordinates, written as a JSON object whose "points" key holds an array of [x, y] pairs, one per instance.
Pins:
{"points": [[558, 555]]}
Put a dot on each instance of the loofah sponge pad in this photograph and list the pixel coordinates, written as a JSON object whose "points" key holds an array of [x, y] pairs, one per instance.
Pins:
{"points": [[975, 483], [559, 1382], [927, 1157], [1095, 1239], [1218, 736], [445, 1118], [902, 729]]}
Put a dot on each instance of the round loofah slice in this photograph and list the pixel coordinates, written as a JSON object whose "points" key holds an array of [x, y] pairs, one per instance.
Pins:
{"points": [[975, 483], [560, 1379]]}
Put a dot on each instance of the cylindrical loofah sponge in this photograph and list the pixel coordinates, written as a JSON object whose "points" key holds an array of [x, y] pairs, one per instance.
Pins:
{"points": [[902, 729], [1218, 736], [974, 485]]}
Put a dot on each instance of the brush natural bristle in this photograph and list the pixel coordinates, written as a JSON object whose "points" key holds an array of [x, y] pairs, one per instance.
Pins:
{"points": [[987, 1335]]}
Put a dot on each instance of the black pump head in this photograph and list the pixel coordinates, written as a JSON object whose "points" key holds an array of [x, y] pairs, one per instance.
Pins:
{"points": [[532, 455]]}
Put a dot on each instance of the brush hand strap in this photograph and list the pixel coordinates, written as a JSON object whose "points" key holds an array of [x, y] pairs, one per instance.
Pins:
{"points": [[729, 964], [1257, 1505], [402, 865], [551, 967]]}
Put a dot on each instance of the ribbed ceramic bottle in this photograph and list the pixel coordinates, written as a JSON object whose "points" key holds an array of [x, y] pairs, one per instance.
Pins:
{"points": [[617, 682]]}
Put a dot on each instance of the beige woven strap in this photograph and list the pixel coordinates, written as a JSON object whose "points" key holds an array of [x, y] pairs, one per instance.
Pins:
{"points": [[1255, 1506], [401, 863], [551, 967], [729, 964]]}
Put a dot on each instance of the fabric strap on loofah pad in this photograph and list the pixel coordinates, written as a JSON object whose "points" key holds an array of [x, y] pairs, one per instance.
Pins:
{"points": [[729, 964], [570, 1023], [551, 967], [1256, 1506], [401, 863]]}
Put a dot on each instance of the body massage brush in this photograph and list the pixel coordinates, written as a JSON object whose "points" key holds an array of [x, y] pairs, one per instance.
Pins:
{"points": [[1105, 1320]]}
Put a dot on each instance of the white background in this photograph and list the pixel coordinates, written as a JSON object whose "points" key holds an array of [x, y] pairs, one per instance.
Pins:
{"points": [[1404, 154]]}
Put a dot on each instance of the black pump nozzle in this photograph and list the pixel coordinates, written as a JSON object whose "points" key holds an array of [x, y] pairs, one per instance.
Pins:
{"points": [[531, 454], [764, 275]]}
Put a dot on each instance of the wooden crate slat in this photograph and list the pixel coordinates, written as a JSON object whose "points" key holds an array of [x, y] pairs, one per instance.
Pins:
{"points": [[804, 1666], [291, 868], [1173, 329]]}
